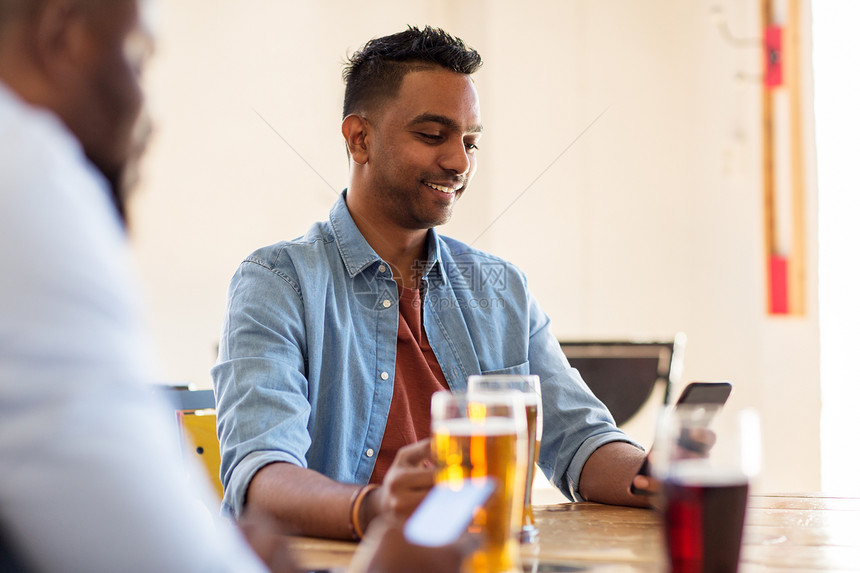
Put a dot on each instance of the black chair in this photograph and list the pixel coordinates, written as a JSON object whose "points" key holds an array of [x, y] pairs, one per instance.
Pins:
{"points": [[623, 374]]}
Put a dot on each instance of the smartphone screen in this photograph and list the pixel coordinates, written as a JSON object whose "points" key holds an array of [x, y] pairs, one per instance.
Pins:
{"points": [[705, 394], [445, 513]]}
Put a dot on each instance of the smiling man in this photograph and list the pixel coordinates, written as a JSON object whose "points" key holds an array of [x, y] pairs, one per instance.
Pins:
{"points": [[334, 343]]}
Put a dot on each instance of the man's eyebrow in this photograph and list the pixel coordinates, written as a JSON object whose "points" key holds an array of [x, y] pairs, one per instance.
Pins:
{"points": [[445, 121]]}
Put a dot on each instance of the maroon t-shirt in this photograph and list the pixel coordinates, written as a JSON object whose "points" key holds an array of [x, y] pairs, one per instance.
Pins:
{"points": [[417, 375]]}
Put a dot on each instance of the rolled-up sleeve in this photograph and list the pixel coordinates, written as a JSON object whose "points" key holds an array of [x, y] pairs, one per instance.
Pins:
{"points": [[260, 379]]}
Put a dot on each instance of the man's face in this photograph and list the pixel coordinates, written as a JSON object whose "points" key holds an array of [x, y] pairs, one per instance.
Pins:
{"points": [[108, 98], [422, 147]]}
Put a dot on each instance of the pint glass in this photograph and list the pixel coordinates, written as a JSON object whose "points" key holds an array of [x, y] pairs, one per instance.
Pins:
{"points": [[529, 386], [478, 436], [706, 468]]}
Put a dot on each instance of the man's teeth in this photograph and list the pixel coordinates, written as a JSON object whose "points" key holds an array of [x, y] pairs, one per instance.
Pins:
{"points": [[441, 188]]}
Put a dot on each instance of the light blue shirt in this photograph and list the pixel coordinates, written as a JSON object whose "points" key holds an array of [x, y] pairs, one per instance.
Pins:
{"points": [[305, 372]]}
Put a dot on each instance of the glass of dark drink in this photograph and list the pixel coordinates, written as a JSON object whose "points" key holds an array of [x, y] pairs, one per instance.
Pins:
{"points": [[706, 461]]}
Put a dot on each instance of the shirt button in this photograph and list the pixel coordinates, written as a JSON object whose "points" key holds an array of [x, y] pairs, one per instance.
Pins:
{"points": [[369, 453], [386, 303], [384, 375], [382, 268]]}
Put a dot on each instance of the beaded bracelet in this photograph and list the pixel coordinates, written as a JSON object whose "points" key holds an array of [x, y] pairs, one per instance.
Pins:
{"points": [[355, 509]]}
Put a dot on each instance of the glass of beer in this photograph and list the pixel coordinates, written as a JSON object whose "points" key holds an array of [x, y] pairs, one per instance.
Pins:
{"points": [[705, 461], [529, 386], [480, 436]]}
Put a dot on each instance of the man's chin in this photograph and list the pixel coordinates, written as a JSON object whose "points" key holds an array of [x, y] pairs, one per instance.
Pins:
{"points": [[448, 213], [122, 171], [438, 220], [120, 180]]}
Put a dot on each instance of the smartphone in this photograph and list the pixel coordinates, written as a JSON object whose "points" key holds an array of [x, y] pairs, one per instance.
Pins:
{"points": [[711, 396], [706, 394], [446, 512]]}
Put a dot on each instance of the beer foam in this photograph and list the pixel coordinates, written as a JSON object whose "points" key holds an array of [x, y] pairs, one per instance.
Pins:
{"points": [[493, 426], [699, 472], [499, 396]]}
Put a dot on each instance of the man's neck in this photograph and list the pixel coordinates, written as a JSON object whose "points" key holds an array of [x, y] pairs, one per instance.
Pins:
{"points": [[404, 249], [408, 263]]}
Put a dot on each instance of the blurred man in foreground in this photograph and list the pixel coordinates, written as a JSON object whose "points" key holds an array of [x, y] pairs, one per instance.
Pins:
{"points": [[90, 476]]}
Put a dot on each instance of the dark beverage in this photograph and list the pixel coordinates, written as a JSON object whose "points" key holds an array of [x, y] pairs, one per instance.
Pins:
{"points": [[703, 521]]}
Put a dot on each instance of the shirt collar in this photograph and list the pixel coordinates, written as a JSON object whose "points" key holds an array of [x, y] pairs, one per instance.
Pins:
{"points": [[355, 251], [434, 267]]}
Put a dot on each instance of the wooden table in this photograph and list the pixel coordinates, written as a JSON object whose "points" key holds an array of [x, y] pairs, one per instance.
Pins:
{"points": [[783, 533]]}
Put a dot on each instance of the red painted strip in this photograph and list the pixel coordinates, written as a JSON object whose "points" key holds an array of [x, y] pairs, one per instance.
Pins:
{"points": [[778, 284], [773, 56]]}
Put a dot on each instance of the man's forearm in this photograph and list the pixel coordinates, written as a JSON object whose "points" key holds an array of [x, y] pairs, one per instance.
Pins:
{"points": [[608, 473], [303, 501]]}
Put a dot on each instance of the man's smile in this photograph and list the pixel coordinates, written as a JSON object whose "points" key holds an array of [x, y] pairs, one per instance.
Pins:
{"points": [[443, 188]]}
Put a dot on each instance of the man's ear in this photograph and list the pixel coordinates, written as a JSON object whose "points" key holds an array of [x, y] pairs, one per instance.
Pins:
{"points": [[61, 38], [355, 132]]}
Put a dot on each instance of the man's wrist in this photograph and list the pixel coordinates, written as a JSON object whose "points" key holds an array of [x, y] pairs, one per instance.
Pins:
{"points": [[370, 508], [359, 510]]}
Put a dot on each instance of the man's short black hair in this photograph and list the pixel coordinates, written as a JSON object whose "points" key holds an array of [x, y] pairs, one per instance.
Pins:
{"points": [[375, 72]]}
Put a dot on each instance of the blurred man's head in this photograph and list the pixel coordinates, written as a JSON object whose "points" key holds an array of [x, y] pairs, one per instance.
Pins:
{"points": [[81, 59]]}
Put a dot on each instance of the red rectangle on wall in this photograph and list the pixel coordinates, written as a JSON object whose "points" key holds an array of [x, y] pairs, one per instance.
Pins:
{"points": [[778, 284], [773, 56]]}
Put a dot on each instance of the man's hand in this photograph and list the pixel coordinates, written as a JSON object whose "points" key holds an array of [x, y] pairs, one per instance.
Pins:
{"points": [[305, 502], [647, 484], [385, 550], [406, 483], [268, 541], [610, 470]]}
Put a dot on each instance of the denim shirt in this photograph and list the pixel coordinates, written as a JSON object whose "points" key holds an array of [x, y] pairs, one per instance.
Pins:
{"points": [[305, 371]]}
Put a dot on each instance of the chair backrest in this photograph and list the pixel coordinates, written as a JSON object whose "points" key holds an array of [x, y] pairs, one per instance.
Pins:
{"points": [[624, 373], [195, 417]]}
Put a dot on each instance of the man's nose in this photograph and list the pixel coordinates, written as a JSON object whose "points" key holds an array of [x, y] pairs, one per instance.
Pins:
{"points": [[456, 158]]}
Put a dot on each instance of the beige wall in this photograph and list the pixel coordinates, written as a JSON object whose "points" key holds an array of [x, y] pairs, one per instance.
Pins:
{"points": [[648, 222]]}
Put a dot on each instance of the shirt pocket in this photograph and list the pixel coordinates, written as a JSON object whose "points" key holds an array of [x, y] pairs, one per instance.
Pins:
{"points": [[521, 369]]}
